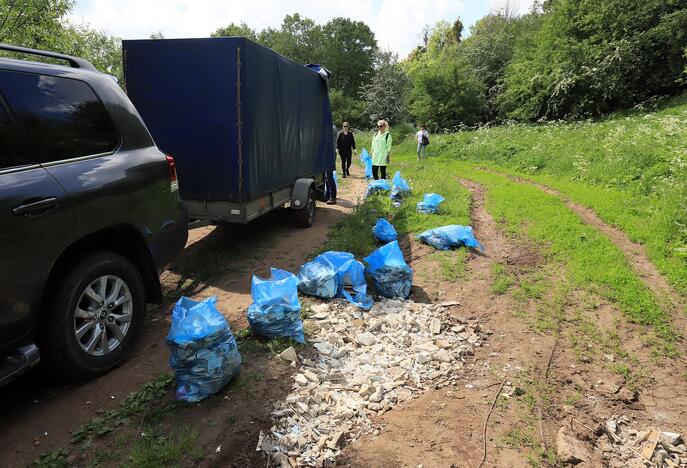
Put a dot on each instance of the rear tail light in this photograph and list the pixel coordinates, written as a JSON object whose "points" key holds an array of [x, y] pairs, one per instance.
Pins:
{"points": [[172, 168]]}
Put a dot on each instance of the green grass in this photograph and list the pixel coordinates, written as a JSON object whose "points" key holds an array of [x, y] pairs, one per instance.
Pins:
{"points": [[154, 449], [502, 280], [631, 168], [453, 264], [593, 261], [135, 403]]}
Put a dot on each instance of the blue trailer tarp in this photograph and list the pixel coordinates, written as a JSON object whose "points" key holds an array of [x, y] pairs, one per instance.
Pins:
{"points": [[239, 119]]}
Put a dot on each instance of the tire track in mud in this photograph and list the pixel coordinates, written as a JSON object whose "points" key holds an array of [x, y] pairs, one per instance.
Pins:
{"points": [[634, 253]]}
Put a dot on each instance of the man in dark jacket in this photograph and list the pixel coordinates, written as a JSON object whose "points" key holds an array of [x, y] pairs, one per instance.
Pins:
{"points": [[345, 146]]}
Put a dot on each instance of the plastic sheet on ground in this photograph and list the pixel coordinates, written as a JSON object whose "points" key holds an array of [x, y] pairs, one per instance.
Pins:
{"points": [[275, 311], [384, 231], [350, 274], [379, 185], [318, 279], [391, 274], [204, 353], [430, 203], [399, 189], [366, 159], [447, 237]]}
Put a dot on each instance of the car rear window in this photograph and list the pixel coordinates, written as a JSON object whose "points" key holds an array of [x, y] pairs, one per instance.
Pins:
{"points": [[60, 118], [10, 155]]}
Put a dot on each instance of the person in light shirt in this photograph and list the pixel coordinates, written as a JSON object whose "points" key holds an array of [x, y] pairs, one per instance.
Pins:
{"points": [[381, 150], [422, 137]]}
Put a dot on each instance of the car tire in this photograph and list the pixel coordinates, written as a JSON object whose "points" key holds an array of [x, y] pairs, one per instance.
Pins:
{"points": [[72, 332], [305, 217]]}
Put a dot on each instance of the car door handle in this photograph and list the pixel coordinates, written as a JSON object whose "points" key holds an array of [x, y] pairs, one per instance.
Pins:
{"points": [[40, 205]]}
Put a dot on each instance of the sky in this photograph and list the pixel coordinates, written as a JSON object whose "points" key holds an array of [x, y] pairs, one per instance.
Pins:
{"points": [[397, 24]]}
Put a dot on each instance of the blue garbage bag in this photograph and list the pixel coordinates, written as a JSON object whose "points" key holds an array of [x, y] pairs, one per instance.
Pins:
{"points": [[384, 230], [380, 185], [204, 355], [430, 203], [446, 237], [399, 189], [391, 274], [318, 279], [366, 159], [275, 311], [350, 274]]}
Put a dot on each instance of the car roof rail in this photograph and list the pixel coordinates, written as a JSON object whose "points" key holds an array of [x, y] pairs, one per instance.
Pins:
{"points": [[74, 62]]}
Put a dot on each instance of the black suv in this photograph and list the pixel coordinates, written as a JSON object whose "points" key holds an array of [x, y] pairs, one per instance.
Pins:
{"points": [[89, 216]]}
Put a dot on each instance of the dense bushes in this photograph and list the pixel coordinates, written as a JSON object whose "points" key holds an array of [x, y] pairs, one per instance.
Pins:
{"points": [[569, 59]]}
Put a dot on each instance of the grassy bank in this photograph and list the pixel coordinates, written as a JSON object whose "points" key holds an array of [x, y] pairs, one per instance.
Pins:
{"points": [[630, 168]]}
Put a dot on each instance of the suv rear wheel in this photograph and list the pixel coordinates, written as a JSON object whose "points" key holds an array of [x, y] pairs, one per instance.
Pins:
{"points": [[95, 316]]}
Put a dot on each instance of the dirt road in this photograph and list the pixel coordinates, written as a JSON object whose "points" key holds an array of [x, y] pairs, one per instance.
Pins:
{"points": [[38, 415]]}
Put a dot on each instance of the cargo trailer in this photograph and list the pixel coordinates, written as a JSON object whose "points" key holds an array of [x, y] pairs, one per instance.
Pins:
{"points": [[249, 130]]}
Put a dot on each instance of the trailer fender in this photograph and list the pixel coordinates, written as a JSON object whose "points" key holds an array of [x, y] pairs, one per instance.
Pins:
{"points": [[299, 194]]}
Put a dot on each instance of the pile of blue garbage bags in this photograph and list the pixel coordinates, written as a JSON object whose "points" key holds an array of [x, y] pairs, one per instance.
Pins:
{"points": [[204, 355]]}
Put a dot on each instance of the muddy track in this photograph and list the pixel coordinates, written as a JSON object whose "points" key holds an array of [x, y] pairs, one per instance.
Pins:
{"points": [[635, 253], [443, 427]]}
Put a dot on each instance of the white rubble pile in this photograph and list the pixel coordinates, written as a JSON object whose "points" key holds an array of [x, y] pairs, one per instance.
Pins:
{"points": [[367, 363], [626, 447]]}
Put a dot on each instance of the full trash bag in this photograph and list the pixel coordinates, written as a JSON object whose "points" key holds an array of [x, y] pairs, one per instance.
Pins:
{"points": [[350, 274], [379, 185], [204, 355], [399, 189], [318, 279], [384, 230], [366, 159], [275, 311], [446, 237], [391, 274], [430, 203]]}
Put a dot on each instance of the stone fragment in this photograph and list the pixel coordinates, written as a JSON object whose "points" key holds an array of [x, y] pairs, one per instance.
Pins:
{"points": [[311, 376], [442, 356], [289, 354], [366, 390], [366, 339], [323, 348], [435, 326], [449, 303], [336, 440], [301, 380], [378, 395], [673, 438]]}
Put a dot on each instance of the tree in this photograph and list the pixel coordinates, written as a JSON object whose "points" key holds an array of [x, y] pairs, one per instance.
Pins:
{"points": [[590, 57], [386, 97], [236, 30], [457, 30], [298, 38], [31, 23], [348, 51]]}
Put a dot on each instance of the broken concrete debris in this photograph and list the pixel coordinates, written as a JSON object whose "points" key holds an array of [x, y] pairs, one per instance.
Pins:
{"points": [[625, 446], [365, 365]]}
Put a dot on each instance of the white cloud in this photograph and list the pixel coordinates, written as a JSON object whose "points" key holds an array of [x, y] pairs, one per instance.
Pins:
{"points": [[397, 24]]}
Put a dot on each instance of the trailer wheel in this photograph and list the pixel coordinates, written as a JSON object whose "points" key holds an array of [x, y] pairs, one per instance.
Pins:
{"points": [[306, 216]]}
